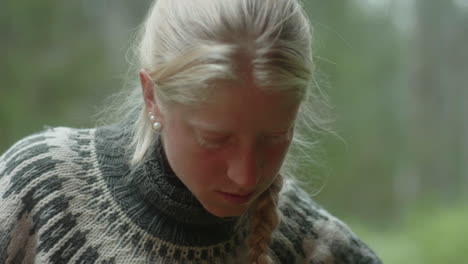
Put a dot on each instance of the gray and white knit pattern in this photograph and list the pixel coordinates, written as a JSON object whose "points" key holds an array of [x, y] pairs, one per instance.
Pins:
{"points": [[69, 196]]}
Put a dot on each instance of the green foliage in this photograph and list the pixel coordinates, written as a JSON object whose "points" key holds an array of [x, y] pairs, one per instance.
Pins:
{"points": [[361, 63], [60, 62], [429, 235]]}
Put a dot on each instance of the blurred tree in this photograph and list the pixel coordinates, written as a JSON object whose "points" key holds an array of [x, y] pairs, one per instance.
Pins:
{"points": [[360, 56], [438, 83], [61, 58]]}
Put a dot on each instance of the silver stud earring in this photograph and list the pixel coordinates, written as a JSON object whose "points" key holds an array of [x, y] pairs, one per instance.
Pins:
{"points": [[156, 125]]}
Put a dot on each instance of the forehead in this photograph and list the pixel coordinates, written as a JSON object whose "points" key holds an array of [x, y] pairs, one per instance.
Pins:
{"points": [[243, 107]]}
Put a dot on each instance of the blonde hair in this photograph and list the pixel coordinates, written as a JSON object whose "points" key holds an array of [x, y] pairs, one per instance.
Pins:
{"points": [[187, 46], [265, 219]]}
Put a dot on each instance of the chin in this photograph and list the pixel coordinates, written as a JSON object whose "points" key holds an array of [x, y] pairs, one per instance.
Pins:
{"points": [[226, 212]]}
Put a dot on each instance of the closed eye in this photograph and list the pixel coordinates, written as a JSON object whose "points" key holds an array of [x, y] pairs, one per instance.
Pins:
{"points": [[210, 141], [277, 137]]}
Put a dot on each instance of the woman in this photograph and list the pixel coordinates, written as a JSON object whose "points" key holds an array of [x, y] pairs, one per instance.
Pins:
{"points": [[198, 169]]}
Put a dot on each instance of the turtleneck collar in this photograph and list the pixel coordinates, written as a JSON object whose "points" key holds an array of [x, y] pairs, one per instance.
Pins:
{"points": [[155, 198]]}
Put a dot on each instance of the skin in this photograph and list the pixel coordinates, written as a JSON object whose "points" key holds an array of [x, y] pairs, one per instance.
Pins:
{"points": [[228, 150]]}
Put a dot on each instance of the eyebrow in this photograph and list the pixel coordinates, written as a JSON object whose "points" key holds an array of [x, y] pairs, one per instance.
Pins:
{"points": [[207, 126]]}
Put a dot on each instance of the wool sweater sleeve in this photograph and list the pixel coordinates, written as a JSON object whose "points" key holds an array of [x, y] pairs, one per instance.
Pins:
{"points": [[29, 173], [17, 167], [312, 235]]}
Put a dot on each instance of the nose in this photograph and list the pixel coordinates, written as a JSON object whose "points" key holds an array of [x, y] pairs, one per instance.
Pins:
{"points": [[243, 169]]}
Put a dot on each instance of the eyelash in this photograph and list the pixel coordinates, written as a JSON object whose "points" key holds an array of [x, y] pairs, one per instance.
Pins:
{"points": [[274, 139], [214, 143], [210, 143]]}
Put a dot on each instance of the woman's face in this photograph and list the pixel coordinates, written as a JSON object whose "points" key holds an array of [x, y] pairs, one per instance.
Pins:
{"points": [[229, 150]]}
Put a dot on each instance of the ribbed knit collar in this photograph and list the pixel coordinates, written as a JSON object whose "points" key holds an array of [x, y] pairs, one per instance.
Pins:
{"points": [[154, 197]]}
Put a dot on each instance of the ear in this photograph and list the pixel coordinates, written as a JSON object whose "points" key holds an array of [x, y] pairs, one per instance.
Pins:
{"points": [[147, 87]]}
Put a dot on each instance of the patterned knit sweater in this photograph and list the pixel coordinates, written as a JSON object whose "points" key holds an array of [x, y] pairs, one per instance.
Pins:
{"points": [[69, 196]]}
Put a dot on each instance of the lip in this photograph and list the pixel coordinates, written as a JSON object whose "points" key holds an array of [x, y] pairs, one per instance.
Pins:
{"points": [[236, 198]]}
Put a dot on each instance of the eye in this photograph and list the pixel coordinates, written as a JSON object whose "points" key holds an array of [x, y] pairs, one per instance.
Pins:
{"points": [[277, 138], [211, 141]]}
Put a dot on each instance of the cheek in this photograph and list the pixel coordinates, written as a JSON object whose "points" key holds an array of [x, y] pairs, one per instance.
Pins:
{"points": [[274, 156], [190, 162], [177, 147], [210, 165], [175, 142]]}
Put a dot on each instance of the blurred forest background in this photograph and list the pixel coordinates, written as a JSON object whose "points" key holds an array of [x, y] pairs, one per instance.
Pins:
{"points": [[396, 72]]}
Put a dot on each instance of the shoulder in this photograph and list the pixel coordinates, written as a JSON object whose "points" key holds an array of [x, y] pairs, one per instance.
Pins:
{"points": [[39, 178], [47, 140], [313, 235], [41, 154]]}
